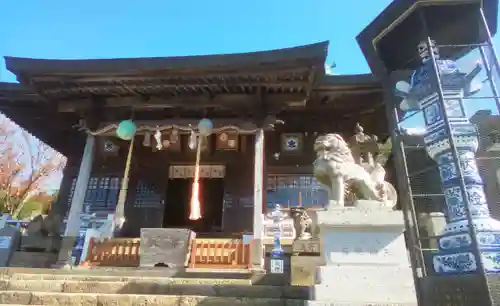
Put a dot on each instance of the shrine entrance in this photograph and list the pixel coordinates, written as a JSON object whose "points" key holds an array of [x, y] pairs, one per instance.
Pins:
{"points": [[177, 201]]}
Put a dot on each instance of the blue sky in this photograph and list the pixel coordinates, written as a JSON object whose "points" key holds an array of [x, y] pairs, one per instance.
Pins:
{"points": [[107, 28]]}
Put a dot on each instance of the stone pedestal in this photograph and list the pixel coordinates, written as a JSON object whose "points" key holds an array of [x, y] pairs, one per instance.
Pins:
{"points": [[365, 256], [33, 259], [10, 238], [304, 262], [41, 244]]}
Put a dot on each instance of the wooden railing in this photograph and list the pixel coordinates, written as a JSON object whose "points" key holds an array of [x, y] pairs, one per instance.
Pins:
{"points": [[217, 253], [113, 252], [220, 253]]}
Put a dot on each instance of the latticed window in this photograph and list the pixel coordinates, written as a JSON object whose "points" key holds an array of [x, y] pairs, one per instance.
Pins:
{"points": [[295, 190], [147, 197], [101, 195]]}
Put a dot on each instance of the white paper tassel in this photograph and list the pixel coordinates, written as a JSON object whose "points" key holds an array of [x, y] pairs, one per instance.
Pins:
{"points": [[159, 145], [192, 141], [147, 139]]}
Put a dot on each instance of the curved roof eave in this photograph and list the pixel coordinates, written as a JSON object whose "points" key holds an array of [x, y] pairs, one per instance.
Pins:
{"points": [[348, 82], [317, 51], [326, 82], [349, 79]]}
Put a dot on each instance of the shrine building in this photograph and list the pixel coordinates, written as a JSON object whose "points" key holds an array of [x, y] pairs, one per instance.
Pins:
{"points": [[266, 107]]}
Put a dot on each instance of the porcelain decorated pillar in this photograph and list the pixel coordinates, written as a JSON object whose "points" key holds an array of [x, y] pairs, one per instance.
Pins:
{"points": [[456, 243]]}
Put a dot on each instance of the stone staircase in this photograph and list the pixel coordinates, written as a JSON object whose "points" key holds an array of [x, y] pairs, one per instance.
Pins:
{"points": [[22, 286]]}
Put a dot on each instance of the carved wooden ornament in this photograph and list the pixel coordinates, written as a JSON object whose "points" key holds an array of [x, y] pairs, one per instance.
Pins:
{"points": [[227, 141], [292, 142], [109, 147]]}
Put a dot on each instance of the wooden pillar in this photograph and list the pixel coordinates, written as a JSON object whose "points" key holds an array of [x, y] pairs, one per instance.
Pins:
{"points": [[258, 192], [74, 222], [73, 225]]}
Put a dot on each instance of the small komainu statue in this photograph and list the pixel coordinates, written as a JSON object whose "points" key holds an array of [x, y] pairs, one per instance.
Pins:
{"points": [[44, 226], [302, 223], [345, 177]]}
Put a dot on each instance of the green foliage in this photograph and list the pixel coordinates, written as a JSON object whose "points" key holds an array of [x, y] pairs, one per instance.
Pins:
{"points": [[30, 207]]}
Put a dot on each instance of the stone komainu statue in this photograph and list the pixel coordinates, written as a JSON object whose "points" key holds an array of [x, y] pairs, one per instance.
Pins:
{"points": [[302, 223], [45, 226], [336, 168]]}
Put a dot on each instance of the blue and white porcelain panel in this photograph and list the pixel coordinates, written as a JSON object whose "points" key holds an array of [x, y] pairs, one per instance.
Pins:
{"points": [[455, 204], [454, 108], [488, 239], [448, 170], [491, 261], [456, 255], [451, 242], [433, 114], [454, 263]]}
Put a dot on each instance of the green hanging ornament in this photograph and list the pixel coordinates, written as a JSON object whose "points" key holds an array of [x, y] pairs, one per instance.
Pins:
{"points": [[126, 130]]}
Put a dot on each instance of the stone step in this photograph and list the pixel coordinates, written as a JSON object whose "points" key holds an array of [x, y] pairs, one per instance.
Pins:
{"points": [[87, 299], [103, 278], [125, 275], [133, 272], [149, 287]]}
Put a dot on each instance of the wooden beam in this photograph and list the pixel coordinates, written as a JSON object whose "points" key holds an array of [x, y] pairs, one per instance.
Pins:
{"points": [[246, 126], [138, 87], [175, 78], [185, 102]]}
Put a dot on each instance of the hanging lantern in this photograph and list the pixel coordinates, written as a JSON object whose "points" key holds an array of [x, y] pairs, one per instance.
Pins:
{"points": [[126, 130], [205, 127]]}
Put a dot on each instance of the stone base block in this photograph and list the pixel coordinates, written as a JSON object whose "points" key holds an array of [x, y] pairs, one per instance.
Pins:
{"points": [[466, 290], [43, 244], [10, 238], [303, 270], [310, 247], [363, 236], [33, 259], [165, 246], [64, 259], [364, 284], [365, 256]]}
